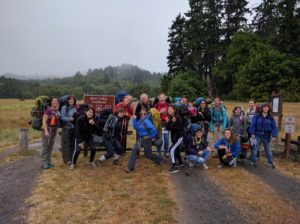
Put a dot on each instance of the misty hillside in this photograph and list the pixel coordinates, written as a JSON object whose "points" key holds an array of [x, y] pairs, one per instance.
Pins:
{"points": [[105, 81]]}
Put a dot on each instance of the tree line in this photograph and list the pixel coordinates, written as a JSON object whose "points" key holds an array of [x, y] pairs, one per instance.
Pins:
{"points": [[105, 81], [213, 51]]}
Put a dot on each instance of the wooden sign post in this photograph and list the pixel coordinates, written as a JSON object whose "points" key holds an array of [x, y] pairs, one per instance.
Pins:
{"points": [[277, 101], [99, 102], [289, 128]]}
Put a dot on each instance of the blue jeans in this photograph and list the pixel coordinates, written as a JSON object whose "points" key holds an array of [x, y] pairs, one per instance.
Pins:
{"points": [[196, 159], [147, 144], [112, 146], [266, 143]]}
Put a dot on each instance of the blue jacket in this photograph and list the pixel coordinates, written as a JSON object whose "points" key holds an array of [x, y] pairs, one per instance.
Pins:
{"points": [[263, 127], [66, 116], [233, 148], [218, 115], [193, 149], [144, 127]]}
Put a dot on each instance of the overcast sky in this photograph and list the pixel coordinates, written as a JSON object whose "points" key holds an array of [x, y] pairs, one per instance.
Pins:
{"points": [[60, 37]]}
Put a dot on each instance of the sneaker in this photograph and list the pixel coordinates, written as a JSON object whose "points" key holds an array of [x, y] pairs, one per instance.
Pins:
{"points": [[72, 166], [271, 165], [179, 165], [50, 165], [69, 162], [233, 162], [93, 164], [191, 164], [220, 165], [205, 166], [167, 155], [254, 164], [173, 169], [45, 166]]}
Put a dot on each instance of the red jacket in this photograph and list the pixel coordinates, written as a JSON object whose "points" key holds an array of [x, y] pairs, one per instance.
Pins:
{"points": [[163, 116], [128, 108]]}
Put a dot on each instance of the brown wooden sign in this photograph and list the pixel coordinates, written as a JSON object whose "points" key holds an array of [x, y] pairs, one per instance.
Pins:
{"points": [[99, 102]]}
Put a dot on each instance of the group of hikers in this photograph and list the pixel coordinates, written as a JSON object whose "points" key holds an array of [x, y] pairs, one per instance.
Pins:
{"points": [[170, 127]]}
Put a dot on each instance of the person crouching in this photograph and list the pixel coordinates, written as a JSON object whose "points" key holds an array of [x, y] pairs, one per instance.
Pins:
{"points": [[228, 149], [197, 149]]}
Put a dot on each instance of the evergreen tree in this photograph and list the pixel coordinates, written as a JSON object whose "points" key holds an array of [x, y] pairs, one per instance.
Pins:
{"points": [[177, 46], [234, 18], [204, 34]]}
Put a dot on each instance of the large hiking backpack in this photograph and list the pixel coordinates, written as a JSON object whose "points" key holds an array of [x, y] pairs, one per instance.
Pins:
{"points": [[198, 101], [62, 102], [37, 112], [155, 118], [120, 96]]}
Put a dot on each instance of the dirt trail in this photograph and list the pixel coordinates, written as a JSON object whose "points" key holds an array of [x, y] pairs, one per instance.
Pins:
{"points": [[201, 201], [17, 180], [286, 187]]}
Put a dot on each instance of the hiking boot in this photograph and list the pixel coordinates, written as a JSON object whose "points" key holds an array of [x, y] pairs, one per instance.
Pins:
{"points": [[93, 164], [205, 166], [271, 165], [173, 169], [72, 166], [220, 165]]}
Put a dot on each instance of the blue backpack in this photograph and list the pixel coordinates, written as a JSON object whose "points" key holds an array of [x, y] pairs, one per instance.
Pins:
{"points": [[120, 96]]}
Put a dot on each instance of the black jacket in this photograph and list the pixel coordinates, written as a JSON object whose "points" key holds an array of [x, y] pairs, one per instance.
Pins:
{"points": [[176, 128], [83, 129]]}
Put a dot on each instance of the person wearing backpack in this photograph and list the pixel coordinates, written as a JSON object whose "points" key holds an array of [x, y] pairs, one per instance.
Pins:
{"points": [[111, 131], [85, 126], [50, 126], [67, 135], [126, 104], [144, 103], [228, 149], [263, 129], [197, 148], [162, 107], [146, 133], [203, 116], [174, 123], [218, 121]]}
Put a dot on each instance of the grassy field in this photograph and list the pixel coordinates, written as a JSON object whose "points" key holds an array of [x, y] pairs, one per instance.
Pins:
{"points": [[14, 114], [109, 194], [106, 194]]}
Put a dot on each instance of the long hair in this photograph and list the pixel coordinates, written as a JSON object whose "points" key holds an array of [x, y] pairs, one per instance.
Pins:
{"points": [[69, 97], [232, 138], [265, 105]]}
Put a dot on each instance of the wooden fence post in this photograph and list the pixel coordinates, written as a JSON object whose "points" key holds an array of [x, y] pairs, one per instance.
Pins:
{"points": [[23, 139]]}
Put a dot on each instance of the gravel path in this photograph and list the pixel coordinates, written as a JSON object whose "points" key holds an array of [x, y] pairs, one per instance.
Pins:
{"points": [[17, 180], [201, 201], [285, 186]]}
